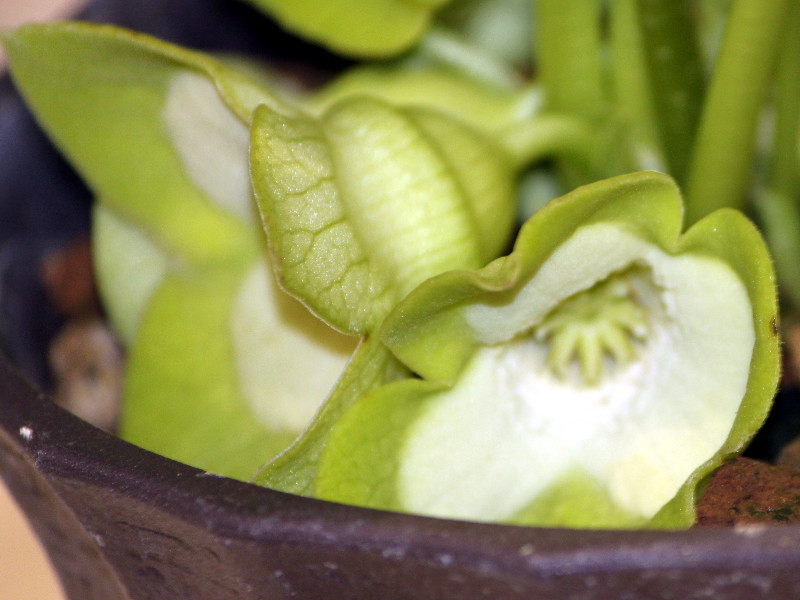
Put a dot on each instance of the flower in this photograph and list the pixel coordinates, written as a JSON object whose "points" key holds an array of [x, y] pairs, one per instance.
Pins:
{"points": [[592, 378]]}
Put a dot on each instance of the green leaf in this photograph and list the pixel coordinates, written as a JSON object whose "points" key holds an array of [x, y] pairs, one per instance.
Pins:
{"points": [[592, 378], [184, 331], [366, 28], [366, 202], [568, 56], [727, 138], [372, 431]]}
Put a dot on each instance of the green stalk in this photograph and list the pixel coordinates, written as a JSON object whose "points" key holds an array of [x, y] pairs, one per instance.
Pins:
{"points": [[778, 204], [672, 58], [784, 168], [633, 98], [448, 49], [780, 221], [547, 136], [568, 52], [721, 164]]}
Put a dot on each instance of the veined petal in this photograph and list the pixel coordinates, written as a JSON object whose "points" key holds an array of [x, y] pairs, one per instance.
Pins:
{"points": [[366, 202]]}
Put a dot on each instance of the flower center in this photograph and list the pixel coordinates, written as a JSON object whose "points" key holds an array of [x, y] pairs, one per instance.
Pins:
{"points": [[589, 329]]}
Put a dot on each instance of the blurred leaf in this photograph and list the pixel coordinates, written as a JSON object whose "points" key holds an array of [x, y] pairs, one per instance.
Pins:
{"points": [[365, 28]]}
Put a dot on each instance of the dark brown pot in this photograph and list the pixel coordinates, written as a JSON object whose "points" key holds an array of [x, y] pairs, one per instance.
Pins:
{"points": [[122, 523]]}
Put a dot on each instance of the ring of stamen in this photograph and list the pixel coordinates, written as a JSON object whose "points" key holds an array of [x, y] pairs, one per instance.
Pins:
{"points": [[602, 322]]}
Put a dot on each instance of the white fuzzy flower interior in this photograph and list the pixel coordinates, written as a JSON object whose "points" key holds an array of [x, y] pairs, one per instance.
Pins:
{"points": [[600, 329], [617, 361]]}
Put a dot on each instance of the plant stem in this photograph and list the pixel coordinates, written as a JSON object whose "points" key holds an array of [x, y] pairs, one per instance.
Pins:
{"points": [[672, 58], [633, 99], [780, 220], [550, 136], [720, 169], [778, 204], [446, 48], [784, 168], [568, 54]]}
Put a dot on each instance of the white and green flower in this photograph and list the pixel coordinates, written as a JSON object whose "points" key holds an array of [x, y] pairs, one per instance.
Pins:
{"points": [[592, 378]]}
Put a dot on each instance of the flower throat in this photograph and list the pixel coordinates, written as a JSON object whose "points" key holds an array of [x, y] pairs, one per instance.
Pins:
{"points": [[596, 328]]}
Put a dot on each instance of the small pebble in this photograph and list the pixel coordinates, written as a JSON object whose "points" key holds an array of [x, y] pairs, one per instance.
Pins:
{"points": [[87, 365]]}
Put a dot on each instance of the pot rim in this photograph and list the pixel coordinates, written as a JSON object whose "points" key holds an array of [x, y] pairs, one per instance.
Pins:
{"points": [[80, 465]]}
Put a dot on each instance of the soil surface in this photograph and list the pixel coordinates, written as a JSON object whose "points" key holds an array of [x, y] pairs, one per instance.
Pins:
{"points": [[745, 491]]}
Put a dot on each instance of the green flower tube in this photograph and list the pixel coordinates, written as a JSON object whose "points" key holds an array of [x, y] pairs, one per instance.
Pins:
{"points": [[592, 378]]}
